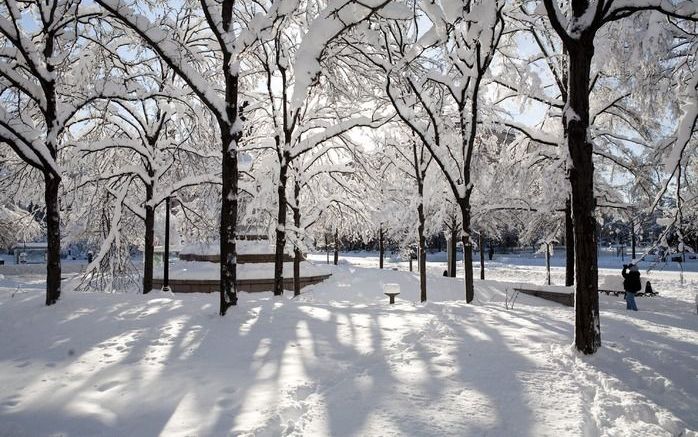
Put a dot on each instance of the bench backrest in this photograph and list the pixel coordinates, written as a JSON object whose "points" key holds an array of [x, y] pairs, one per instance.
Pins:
{"points": [[615, 282]]}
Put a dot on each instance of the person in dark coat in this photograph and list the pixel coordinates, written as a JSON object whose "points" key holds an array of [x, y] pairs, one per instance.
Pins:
{"points": [[631, 284]]}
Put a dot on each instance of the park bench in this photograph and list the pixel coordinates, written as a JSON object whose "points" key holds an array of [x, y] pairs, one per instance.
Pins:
{"points": [[613, 285]]}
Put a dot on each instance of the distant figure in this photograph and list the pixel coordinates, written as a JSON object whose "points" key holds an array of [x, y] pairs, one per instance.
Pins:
{"points": [[631, 284], [445, 272]]}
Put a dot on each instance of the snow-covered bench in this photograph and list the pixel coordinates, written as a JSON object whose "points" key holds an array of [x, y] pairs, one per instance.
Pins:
{"points": [[614, 285]]}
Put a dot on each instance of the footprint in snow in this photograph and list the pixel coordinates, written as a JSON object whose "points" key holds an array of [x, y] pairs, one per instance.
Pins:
{"points": [[12, 401], [225, 403], [108, 386]]}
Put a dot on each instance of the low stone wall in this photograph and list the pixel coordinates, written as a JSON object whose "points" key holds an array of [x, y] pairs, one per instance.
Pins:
{"points": [[248, 285], [40, 269], [241, 258], [566, 299]]}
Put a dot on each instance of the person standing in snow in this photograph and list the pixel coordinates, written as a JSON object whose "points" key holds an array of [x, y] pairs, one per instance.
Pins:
{"points": [[631, 284]]}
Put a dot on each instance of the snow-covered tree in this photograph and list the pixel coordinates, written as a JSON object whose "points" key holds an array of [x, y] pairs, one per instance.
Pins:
{"points": [[149, 145], [434, 77], [305, 116], [230, 30], [677, 154], [577, 25], [412, 159], [45, 65]]}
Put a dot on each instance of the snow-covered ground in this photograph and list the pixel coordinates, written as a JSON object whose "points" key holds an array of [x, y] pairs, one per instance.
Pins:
{"points": [[340, 361]]}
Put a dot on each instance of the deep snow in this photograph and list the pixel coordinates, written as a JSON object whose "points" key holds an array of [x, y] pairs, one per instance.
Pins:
{"points": [[340, 361]]}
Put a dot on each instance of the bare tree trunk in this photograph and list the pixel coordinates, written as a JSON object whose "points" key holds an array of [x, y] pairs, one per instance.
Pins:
{"points": [[422, 248], [53, 234], [297, 255], [453, 244], [52, 183], [228, 229], [569, 245], [327, 248], [149, 243], [381, 247], [581, 174], [547, 262], [297, 258], [632, 238], [230, 135], [336, 247], [280, 228], [166, 255], [468, 266], [481, 246], [467, 251]]}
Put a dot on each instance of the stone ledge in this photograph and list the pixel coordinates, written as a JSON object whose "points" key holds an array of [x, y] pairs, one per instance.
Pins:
{"points": [[248, 285], [566, 299]]}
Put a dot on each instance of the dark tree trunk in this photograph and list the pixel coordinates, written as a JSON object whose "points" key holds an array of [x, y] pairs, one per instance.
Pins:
{"points": [[297, 258], [281, 227], [336, 247], [231, 134], [581, 174], [297, 255], [381, 247], [547, 263], [632, 238], [228, 229], [481, 246], [422, 248], [53, 234], [149, 243], [569, 245], [166, 255], [467, 251], [468, 266], [453, 247], [52, 183], [327, 248], [422, 269]]}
